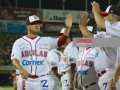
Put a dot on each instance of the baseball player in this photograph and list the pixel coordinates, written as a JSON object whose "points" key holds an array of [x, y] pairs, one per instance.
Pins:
{"points": [[86, 58], [67, 63], [65, 66], [111, 26], [53, 58], [29, 53], [105, 57]]}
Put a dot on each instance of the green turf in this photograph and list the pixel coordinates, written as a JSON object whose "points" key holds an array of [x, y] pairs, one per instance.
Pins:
{"points": [[11, 88], [6, 88]]}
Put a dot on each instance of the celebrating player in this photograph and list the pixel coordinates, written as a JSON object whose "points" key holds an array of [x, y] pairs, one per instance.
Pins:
{"points": [[86, 57], [106, 57], [67, 63], [53, 58], [111, 25], [29, 53]]}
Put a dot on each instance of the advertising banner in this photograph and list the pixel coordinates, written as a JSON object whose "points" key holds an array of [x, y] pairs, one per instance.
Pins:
{"points": [[53, 27], [18, 13], [7, 68], [59, 15], [11, 26], [56, 27]]}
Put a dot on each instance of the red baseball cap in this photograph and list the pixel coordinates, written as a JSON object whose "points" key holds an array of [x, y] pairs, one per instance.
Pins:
{"points": [[61, 32], [33, 18]]}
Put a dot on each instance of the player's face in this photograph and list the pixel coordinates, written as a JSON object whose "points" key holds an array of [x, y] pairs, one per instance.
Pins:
{"points": [[110, 17], [34, 27]]}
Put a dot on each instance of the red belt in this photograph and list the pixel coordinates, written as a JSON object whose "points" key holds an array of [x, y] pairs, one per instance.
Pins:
{"points": [[35, 76], [89, 85], [101, 73]]}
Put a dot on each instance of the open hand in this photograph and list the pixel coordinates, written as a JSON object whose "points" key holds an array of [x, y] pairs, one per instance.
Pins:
{"points": [[83, 19], [95, 7], [68, 21]]}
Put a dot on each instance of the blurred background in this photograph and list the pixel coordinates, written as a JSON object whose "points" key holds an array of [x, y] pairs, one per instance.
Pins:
{"points": [[13, 14]]}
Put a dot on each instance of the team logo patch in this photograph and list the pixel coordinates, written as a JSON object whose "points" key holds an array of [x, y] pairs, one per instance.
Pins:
{"points": [[96, 55], [113, 23], [83, 72], [100, 36], [24, 46]]}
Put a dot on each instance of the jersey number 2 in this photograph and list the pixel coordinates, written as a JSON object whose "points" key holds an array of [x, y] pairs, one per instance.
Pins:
{"points": [[105, 85], [66, 82], [44, 83]]}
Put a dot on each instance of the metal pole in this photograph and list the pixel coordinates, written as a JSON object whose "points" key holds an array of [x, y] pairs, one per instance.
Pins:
{"points": [[0, 3], [63, 4], [39, 4], [86, 7], [16, 1], [108, 2], [118, 4]]}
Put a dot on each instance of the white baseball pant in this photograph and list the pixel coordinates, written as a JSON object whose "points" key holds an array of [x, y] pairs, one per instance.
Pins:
{"points": [[90, 86], [65, 81], [104, 79], [53, 82], [40, 83]]}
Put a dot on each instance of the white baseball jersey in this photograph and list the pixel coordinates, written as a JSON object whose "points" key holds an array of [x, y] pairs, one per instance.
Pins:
{"points": [[32, 53], [53, 58], [85, 67], [113, 28], [69, 56], [106, 56], [101, 35]]}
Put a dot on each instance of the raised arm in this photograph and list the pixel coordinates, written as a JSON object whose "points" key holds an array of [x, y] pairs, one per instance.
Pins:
{"points": [[83, 21], [68, 25], [98, 18]]}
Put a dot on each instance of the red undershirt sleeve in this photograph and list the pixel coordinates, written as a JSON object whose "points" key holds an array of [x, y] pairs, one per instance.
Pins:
{"points": [[62, 40]]}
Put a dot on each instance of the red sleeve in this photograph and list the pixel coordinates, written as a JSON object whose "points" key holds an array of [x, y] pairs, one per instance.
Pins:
{"points": [[79, 32], [54, 68], [62, 40], [14, 78]]}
